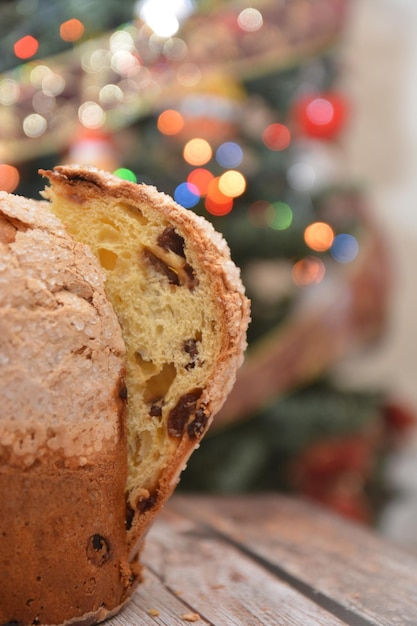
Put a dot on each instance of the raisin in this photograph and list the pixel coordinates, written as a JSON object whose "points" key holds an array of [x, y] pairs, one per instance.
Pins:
{"points": [[162, 268], [197, 427], [182, 411], [146, 504], [155, 411], [192, 280], [130, 514], [122, 391], [98, 550], [169, 239], [13, 622], [190, 347]]}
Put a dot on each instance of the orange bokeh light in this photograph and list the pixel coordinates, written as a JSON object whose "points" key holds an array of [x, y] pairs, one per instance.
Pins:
{"points": [[201, 178], [170, 122], [218, 208], [71, 30], [26, 47], [307, 271], [217, 203], [276, 137], [9, 177], [197, 151], [319, 236]]}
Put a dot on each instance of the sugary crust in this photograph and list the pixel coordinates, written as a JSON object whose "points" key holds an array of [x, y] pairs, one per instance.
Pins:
{"points": [[62, 353]]}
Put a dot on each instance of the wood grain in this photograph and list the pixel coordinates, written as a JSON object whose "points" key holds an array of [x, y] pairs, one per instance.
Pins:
{"points": [[268, 560]]}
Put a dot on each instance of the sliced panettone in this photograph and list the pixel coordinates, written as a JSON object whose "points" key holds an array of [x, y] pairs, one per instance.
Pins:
{"points": [[183, 315]]}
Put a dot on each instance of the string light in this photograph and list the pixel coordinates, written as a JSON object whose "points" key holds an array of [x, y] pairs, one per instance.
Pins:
{"points": [[232, 183], [201, 179], [26, 47], [71, 30], [187, 195], [345, 248], [276, 137], [170, 122], [229, 154], [279, 216], [307, 271], [9, 177], [197, 151], [250, 19], [319, 236], [125, 174]]}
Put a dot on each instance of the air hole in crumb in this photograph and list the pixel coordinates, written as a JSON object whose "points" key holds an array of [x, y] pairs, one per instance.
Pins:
{"points": [[157, 386], [135, 213], [107, 258], [146, 365]]}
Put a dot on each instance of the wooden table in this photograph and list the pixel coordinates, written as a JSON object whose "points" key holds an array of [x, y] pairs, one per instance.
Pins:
{"points": [[250, 560]]}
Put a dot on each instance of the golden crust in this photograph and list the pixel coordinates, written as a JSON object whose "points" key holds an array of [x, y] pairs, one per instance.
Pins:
{"points": [[183, 315]]}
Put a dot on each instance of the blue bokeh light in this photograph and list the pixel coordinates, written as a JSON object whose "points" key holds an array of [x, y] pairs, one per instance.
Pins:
{"points": [[187, 195], [345, 248], [229, 155]]}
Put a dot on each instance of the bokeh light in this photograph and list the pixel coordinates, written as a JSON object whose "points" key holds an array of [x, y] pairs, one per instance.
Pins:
{"points": [[34, 125], [276, 137], [91, 115], [229, 155], [9, 91], [201, 178], [218, 208], [189, 74], [250, 19], [301, 176], [345, 248], [307, 271], [320, 111], [216, 202], [232, 183], [187, 195], [170, 122], [71, 30], [26, 47], [257, 213], [9, 177], [319, 236], [197, 151], [279, 216], [125, 174]]}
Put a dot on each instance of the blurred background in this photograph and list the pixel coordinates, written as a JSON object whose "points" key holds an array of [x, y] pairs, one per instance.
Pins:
{"points": [[292, 126]]}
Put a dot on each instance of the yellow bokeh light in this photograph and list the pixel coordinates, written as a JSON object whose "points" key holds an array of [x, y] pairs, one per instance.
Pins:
{"points": [[232, 183], [319, 236], [197, 151]]}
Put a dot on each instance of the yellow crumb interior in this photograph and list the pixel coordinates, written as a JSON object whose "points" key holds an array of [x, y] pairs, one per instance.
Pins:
{"points": [[167, 321]]}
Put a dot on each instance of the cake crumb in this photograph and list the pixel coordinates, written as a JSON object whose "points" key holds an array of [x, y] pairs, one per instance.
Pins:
{"points": [[153, 612], [190, 617]]}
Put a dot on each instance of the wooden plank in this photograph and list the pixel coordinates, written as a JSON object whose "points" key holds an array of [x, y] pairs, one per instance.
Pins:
{"points": [[153, 604], [347, 569], [190, 571]]}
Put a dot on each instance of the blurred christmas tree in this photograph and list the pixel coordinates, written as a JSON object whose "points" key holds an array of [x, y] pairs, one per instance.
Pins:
{"points": [[236, 112]]}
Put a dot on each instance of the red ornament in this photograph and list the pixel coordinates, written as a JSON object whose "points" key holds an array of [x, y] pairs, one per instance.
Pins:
{"points": [[320, 116]]}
